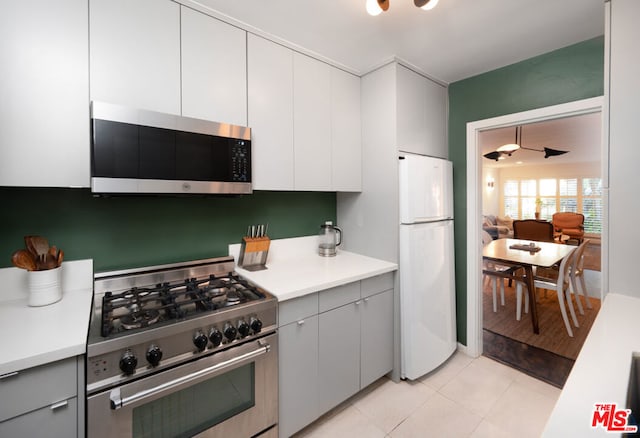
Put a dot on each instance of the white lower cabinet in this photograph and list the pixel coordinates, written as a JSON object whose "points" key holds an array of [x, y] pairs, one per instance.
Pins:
{"points": [[298, 368], [376, 342], [47, 422], [44, 401], [339, 355], [333, 343]]}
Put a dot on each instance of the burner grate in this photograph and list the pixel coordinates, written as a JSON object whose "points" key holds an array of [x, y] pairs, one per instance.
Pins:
{"points": [[141, 307]]}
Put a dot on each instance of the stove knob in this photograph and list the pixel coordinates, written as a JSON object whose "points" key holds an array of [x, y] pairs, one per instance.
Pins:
{"points": [[243, 328], [154, 355], [229, 332], [256, 325], [200, 341], [128, 362], [215, 337]]}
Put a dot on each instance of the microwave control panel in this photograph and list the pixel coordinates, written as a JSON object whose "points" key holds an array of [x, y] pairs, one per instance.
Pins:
{"points": [[241, 161]]}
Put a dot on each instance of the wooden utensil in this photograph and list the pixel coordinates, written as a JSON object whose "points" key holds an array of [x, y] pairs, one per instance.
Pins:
{"points": [[23, 259], [60, 257], [28, 243], [53, 252], [41, 245]]}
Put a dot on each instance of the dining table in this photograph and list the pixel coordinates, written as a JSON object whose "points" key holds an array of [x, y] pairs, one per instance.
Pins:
{"points": [[527, 254]]}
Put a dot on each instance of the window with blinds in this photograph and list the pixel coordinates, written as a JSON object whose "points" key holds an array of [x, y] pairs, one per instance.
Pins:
{"points": [[522, 198]]}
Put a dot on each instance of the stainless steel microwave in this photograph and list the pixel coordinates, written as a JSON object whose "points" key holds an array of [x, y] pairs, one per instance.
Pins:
{"points": [[136, 151]]}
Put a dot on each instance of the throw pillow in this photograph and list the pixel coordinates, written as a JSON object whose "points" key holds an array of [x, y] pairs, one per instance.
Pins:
{"points": [[505, 221]]}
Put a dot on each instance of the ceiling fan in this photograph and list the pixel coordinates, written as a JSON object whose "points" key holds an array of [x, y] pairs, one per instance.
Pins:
{"points": [[375, 7], [510, 148]]}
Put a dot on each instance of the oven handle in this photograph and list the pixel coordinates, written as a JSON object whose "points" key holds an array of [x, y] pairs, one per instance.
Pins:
{"points": [[118, 402]]}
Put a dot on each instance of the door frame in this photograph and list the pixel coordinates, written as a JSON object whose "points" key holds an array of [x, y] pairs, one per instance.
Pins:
{"points": [[474, 200]]}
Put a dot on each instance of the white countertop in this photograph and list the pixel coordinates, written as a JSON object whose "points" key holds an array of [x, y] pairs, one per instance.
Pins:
{"points": [[294, 268], [601, 372], [32, 336]]}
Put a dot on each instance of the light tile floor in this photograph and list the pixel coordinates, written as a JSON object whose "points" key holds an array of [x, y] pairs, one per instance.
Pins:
{"points": [[465, 397]]}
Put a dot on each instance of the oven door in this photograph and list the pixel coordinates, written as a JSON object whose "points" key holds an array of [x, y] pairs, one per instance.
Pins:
{"points": [[230, 393]]}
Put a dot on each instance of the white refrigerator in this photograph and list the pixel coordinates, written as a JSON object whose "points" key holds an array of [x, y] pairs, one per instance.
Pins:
{"points": [[427, 284]]}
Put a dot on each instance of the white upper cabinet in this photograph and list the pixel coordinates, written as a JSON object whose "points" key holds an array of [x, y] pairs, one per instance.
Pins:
{"points": [[311, 123], [305, 120], [270, 113], [135, 53], [214, 69], [44, 84], [346, 132], [421, 114]]}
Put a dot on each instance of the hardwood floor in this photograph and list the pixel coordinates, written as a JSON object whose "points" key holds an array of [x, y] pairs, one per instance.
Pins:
{"points": [[553, 334], [549, 355]]}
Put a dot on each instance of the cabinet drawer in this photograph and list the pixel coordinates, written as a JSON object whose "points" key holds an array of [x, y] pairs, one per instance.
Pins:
{"points": [[38, 387], [297, 309], [46, 422], [379, 283], [338, 296]]}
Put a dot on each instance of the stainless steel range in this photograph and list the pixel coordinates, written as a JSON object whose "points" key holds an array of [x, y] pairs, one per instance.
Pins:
{"points": [[187, 349]]}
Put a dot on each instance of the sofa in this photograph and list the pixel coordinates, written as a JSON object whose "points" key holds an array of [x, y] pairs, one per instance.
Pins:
{"points": [[498, 227]]}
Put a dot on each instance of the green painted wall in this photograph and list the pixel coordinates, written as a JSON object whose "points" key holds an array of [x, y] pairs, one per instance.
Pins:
{"points": [[568, 74], [126, 232]]}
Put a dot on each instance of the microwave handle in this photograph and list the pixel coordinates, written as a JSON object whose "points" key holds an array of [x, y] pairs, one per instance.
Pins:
{"points": [[118, 402]]}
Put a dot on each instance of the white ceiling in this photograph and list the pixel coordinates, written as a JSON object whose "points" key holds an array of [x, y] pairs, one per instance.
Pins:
{"points": [[456, 40], [580, 135]]}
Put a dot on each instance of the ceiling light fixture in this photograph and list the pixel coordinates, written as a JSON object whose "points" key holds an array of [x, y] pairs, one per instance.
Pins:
{"points": [[508, 149], [375, 7]]}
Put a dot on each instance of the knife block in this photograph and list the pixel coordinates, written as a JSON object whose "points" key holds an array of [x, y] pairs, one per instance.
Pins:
{"points": [[253, 253]]}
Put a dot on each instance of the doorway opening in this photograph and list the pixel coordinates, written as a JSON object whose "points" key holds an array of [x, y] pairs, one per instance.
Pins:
{"points": [[479, 183]]}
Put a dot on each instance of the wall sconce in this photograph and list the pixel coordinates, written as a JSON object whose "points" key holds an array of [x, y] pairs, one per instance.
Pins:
{"points": [[490, 183]]}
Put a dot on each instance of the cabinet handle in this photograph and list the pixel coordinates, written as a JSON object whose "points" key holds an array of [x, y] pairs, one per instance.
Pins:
{"points": [[60, 404], [366, 300], [6, 376], [301, 322], [358, 302]]}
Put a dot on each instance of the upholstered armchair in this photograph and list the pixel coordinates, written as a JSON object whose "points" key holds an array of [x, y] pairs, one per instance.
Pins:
{"points": [[570, 224], [497, 227]]}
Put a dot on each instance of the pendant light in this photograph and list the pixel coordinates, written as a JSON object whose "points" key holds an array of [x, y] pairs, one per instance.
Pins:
{"points": [[509, 148], [375, 7], [425, 4]]}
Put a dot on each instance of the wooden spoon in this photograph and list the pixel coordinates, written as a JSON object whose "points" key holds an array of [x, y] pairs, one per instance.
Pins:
{"points": [[53, 252], [60, 257], [28, 243], [24, 259]]}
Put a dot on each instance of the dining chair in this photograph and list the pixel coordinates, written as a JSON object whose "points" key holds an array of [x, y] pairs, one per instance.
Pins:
{"points": [[490, 268], [532, 229], [558, 280], [577, 272]]}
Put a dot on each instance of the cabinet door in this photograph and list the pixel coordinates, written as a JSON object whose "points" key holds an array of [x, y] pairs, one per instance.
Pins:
{"points": [[339, 355], [214, 69], [346, 142], [298, 375], [311, 123], [56, 421], [44, 85], [376, 337], [44, 384], [135, 53], [421, 116], [270, 113]]}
